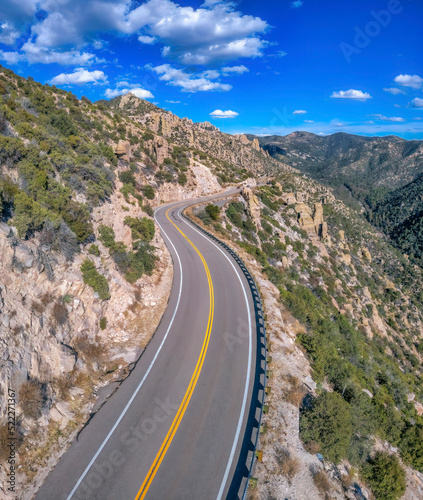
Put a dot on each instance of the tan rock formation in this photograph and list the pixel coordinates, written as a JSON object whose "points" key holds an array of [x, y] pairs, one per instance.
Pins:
{"points": [[365, 252], [289, 198], [319, 224], [304, 218], [253, 205], [243, 139], [122, 150], [161, 149], [255, 144], [346, 258]]}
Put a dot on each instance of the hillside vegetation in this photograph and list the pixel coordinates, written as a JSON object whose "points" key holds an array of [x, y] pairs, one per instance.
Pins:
{"points": [[359, 303], [381, 175]]}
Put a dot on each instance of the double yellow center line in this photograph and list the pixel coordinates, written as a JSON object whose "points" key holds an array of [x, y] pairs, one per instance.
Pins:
{"points": [[193, 382]]}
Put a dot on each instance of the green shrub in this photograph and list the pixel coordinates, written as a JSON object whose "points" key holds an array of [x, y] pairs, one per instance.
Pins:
{"points": [[213, 211], [142, 229], [182, 179], [103, 323], [328, 423], [95, 280], [411, 446], [148, 192], [385, 477], [127, 177], [94, 250]]}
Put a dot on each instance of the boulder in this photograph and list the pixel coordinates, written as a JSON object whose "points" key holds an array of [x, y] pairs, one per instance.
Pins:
{"points": [[23, 256]]}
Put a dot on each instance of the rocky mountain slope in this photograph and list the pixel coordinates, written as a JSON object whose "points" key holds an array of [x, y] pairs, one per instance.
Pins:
{"points": [[360, 162], [400, 214], [344, 314], [380, 175]]}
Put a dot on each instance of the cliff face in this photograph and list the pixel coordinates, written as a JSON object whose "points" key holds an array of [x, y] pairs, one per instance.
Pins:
{"points": [[237, 151]]}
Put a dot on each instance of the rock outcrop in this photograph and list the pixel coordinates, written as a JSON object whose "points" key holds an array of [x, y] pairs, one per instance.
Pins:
{"points": [[253, 205]]}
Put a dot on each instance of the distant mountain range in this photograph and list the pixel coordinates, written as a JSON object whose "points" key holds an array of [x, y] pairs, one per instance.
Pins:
{"points": [[382, 174]]}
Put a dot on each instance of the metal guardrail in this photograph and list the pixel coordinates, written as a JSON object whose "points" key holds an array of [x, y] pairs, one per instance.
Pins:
{"points": [[247, 457]]}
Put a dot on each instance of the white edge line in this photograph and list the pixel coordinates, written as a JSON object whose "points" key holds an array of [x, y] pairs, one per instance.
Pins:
{"points": [[247, 382], [143, 379]]}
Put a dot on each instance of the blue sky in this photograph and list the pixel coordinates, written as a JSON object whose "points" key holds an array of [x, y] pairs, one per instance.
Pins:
{"points": [[268, 67]]}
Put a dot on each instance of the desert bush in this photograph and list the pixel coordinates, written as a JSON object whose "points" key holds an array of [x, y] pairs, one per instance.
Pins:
{"points": [[94, 250], [127, 177], [385, 476], [142, 229], [321, 480], [296, 392], [60, 313], [38, 307], [182, 179], [287, 463], [103, 323], [95, 280], [328, 422], [213, 211], [91, 351], [148, 192], [31, 399]]}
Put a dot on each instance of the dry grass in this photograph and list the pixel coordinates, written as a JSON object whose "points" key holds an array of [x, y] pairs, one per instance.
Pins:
{"points": [[4, 440], [46, 299], [288, 464], [31, 399], [89, 350], [312, 447], [60, 313], [321, 481], [38, 308], [63, 385], [296, 392]]}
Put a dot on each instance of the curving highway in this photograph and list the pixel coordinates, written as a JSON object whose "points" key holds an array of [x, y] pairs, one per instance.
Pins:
{"points": [[174, 428]]}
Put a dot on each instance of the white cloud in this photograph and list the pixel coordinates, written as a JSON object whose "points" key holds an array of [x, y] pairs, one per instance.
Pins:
{"points": [[174, 102], [80, 76], [199, 36], [297, 4], [8, 33], [213, 33], [413, 81], [10, 57], [388, 118], [137, 91], [308, 121], [189, 82], [417, 103], [218, 113], [357, 95], [238, 70], [394, 91], [299, 112], [148, 40], [36, 54]]}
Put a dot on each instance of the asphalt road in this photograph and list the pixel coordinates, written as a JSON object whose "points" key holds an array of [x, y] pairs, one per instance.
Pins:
{"points": [[174, 428]]}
